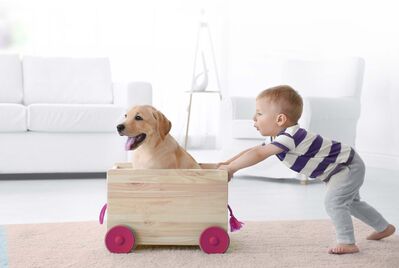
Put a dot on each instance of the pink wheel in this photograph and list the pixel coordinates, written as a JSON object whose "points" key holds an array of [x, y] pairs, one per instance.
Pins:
{"points": [[214, 240], [119, 239]]}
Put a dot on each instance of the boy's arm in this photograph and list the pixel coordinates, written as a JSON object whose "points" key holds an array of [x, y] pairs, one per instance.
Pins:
{"points": [[251, 157], [237, 156], [217, 165], [254, 156]]}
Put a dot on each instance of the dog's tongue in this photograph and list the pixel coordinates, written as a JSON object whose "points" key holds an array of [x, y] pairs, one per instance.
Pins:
{"points": [[129, 143]]}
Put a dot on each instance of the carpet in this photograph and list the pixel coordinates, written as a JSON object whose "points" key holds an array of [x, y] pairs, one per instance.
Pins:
{"points": [[258, 244]]}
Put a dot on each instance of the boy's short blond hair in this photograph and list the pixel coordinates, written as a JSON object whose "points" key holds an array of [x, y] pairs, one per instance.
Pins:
{"points": [[287, 99]]}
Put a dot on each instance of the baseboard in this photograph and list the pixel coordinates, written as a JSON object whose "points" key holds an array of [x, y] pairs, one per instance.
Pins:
{"points": [[376, 160]]}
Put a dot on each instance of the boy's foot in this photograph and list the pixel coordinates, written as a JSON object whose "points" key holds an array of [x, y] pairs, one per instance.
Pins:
{"points": [[343, 249], [380, 235]]}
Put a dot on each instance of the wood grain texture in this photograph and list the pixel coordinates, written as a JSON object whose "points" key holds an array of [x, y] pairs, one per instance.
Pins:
{"points": [[167, 206]]}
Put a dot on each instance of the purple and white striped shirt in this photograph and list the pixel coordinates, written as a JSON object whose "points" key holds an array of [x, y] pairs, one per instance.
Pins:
{"points": [[311, 154]]}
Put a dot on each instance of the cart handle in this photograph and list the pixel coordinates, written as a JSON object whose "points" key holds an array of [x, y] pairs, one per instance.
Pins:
{"points": [[102, 213]]}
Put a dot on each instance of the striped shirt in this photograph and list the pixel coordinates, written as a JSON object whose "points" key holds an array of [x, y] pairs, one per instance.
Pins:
{"points": [[311, 154]]}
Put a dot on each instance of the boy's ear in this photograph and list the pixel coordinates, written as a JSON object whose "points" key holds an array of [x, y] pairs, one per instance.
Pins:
{"points": [[281, 119]]}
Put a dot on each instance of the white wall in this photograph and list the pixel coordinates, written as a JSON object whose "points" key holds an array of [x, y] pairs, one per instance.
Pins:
{"points": [[150, 40], [262, 33], [155, 40]]}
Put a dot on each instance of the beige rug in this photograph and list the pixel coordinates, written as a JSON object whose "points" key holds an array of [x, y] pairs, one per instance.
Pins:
{"points": [[258, 244]]}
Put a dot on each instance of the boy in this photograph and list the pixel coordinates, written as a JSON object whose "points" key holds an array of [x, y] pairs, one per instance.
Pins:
{"points": [[278, 110]]}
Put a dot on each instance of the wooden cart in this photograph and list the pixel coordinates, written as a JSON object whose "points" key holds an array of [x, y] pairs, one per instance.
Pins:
{"points": [[166, 207]]}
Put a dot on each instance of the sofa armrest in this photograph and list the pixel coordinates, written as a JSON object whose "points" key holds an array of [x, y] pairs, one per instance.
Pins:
{"points": [[132, 93], [335, 118], [317, 107]]}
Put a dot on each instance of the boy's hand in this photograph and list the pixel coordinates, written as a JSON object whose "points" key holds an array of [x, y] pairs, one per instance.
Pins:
{"points": [[230, 172]]}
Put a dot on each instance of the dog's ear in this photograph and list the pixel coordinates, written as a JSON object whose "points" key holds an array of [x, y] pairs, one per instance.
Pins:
{"points": [[163, 124]]}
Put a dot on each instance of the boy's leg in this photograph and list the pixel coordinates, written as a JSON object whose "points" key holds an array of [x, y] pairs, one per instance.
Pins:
{"points": [[364, 211], [339, 195], [368, 214], [342, 189], [373, 218]]}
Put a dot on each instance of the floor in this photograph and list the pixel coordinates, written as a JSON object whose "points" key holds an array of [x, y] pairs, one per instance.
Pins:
{"points": [[27, 200]]}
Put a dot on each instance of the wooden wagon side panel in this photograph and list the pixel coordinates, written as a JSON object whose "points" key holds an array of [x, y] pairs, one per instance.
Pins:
{"points": [[167, 207]]}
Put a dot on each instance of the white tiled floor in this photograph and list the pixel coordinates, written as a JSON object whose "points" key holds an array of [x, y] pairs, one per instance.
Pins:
{"points": [[58, 200]]}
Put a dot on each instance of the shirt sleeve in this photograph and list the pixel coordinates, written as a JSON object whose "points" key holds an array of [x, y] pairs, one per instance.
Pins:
{"points": [[284, 141]]}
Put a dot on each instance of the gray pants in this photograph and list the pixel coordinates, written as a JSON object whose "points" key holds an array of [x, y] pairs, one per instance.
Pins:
{"points": [[343, 200]]}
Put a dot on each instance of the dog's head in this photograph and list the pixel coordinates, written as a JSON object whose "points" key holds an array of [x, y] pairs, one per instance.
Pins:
{"points": [[143, 124]]}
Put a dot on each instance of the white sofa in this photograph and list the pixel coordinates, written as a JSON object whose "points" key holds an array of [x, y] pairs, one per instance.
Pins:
{"points": [[331, 91], [59, 115]]}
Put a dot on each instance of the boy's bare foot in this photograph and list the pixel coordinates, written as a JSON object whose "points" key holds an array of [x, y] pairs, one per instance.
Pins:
{"points": [[380, 235], [343, 249]]}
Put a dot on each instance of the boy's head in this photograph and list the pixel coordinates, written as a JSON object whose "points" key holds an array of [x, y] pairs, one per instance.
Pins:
{"points": [[276, 108]]}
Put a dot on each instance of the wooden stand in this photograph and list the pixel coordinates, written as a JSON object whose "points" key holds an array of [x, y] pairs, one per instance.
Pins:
{"points": [[189, 111], [203, 27]]}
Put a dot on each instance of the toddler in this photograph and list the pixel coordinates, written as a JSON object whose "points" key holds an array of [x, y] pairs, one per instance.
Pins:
{"points": [[278, 110]]}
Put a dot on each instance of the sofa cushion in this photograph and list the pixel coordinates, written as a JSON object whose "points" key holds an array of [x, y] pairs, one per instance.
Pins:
{"points": [[67, 80], [10, 79], [74, 117], [12, 117]]}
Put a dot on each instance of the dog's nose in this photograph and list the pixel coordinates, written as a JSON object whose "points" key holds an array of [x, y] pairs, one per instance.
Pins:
{"points": [[120, 127]]}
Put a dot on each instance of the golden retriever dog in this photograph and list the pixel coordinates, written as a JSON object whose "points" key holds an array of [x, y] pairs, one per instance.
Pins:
{"points": [[148, 135]]}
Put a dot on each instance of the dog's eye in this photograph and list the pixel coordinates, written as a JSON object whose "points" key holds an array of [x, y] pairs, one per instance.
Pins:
{"points": [[138, 117], [125, 115]]}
